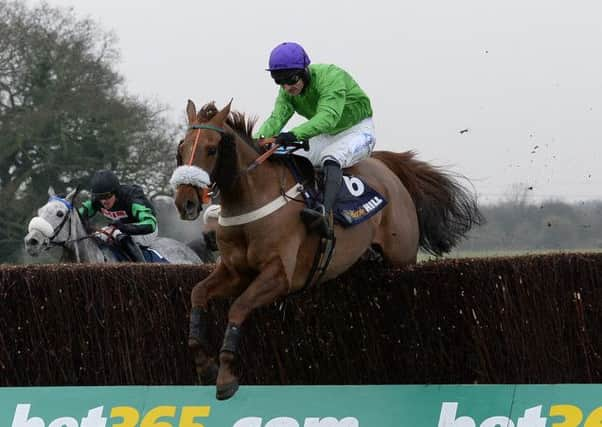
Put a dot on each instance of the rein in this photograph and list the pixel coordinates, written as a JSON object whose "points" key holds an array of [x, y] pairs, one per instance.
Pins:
{"points": [[259, 160]]}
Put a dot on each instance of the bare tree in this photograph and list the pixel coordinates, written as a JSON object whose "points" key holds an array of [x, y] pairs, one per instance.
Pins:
{"points": [[64, 113]]}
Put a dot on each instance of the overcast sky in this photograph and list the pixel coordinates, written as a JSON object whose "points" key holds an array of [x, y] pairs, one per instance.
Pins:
{"points": [[523, 76]]}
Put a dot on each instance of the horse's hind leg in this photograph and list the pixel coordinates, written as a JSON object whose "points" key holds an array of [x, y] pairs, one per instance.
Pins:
{"points": [[271, 283], [219, 283]]}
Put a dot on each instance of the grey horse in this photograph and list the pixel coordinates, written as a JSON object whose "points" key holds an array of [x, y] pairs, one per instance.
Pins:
{"points": [[58, 224]]}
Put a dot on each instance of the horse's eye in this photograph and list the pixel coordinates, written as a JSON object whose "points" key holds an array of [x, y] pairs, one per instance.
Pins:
{"points": [[60, 214], [211, 151]]}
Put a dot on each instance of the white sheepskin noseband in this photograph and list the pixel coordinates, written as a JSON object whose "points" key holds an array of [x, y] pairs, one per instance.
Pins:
{"points": [[40, 224], [191, 175]]}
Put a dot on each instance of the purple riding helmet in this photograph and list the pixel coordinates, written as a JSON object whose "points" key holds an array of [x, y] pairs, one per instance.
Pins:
{"points": [[288, 56]]}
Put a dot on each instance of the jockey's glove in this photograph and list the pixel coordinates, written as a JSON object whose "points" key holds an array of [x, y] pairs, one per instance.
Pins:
{"points": [[108, 232], [285, 138]]}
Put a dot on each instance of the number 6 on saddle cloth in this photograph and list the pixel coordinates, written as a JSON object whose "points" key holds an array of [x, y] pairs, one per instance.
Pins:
{"points": [[356, 202]]}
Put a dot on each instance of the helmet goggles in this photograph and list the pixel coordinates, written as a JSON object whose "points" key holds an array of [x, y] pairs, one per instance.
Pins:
{"points": [[102, 196], [286, 77]]}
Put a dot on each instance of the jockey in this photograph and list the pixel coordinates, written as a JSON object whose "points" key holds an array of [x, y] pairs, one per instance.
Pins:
{"points": [[132, 215], [339, 128]]}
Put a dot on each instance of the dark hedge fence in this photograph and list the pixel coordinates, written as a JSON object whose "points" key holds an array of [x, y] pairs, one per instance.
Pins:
{"points": [[530, 319]]}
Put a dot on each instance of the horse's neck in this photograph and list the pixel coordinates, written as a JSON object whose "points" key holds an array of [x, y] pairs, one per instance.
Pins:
{"points": [[89, 251], [80, 247], [256, 188]]}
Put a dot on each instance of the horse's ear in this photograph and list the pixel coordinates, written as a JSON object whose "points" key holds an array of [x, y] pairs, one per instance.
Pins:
{"points": [[221, 117], [51, 192], [191, 112], [72, 194]]}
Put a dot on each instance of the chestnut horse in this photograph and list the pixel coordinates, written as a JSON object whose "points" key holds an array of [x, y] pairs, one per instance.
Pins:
{"points": [[267, 251]]}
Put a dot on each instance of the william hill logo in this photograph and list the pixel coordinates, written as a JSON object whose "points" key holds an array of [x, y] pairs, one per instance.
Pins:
{"points": [[364, 209]]}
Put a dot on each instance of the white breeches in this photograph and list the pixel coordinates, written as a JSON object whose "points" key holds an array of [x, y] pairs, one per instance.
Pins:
{"points": [[346, 148]]}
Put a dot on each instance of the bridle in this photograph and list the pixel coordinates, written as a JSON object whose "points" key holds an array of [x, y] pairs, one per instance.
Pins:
{"points": [[191, 175], [213, 187], [59, 227]]}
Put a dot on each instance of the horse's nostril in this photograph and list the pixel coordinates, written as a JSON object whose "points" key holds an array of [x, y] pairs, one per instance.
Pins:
{"points": [[32, 242]]}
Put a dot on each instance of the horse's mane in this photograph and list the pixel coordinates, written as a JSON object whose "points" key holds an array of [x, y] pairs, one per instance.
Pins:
{"points": [[237, 121]]}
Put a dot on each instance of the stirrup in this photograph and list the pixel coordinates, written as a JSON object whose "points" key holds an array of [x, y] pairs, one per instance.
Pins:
{"points": [[312, 216], [319, 220]]}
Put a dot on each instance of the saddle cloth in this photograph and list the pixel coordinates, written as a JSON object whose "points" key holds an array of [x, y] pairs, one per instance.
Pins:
{"points": [[150, 255], [356, 202]]}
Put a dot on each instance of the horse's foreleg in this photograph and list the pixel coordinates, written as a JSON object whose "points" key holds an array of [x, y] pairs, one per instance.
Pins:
{"points": [[219, 283], [271, 283], [205, 366]]}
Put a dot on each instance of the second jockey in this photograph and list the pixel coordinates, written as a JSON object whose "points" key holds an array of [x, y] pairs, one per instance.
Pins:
{"points": [[132, 216]]}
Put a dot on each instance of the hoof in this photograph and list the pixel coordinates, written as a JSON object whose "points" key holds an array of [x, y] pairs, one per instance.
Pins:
{"points": [[208, 376], [226, 391]]}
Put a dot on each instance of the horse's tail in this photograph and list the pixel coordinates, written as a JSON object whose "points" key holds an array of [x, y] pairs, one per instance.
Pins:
{"points": [[446, 210]]}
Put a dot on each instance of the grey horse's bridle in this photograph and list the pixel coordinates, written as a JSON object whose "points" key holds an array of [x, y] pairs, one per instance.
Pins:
{"points": [[59, 227]]}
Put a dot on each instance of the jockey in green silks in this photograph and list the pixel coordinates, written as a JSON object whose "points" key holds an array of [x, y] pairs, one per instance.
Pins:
{"points": [[339, 128], [132, 216]]}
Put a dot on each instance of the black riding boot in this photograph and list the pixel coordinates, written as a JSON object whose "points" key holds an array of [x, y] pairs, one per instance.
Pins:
{"points": [[320, 218], [130, 247]]}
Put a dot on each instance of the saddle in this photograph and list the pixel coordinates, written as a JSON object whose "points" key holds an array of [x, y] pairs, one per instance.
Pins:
{"points": [[356, 201]]}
